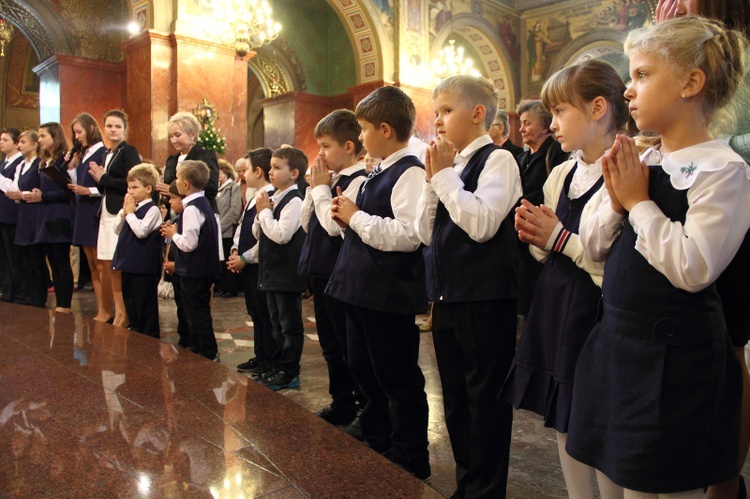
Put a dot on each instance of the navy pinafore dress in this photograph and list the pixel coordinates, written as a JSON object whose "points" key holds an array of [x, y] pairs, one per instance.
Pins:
{"points": [[562, 314], [656, 402]]}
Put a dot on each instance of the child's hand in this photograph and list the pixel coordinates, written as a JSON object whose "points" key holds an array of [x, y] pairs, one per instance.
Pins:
{"points": [[665, 9], [441, 153], [128, 205], [234, 264], [342, 209], [96, 171], [262, 201], [168, 230], [319, 174], [628, 176], [79, 190], [35, 196], [613, 201], [169, 267], [535, 224], [162, 188]]}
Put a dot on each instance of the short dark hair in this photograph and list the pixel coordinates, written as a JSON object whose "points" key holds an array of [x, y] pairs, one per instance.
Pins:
{"points": [[14, 133], [173, 190], [341, 125], [294, 157], [261, 158], [389, 105], [117, 113]]}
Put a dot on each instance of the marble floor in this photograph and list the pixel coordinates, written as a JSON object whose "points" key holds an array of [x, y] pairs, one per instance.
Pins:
{"points": [[89, 410]]}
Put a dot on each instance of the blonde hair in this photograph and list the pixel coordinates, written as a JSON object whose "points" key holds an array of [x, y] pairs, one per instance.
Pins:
{"points": [[472, 91], [145, 173], [187, 122], [694, 42], [584, 82], [195, 172]]}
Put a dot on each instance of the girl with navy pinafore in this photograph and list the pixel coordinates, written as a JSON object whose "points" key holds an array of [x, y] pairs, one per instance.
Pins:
{"points": [[659, 411], [31, 255], [55, 215], [588, 108], [87, 204]]}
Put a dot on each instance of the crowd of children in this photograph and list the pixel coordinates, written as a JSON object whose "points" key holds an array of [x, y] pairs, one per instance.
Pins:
{"points": [[631, 247]]}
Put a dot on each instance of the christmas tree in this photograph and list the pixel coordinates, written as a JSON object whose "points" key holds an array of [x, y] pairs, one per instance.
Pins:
{"points": [[211, 139]]}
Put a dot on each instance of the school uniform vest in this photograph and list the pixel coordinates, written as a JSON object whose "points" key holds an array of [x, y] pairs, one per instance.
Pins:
{"points": [[8, 207], [203, 261], [320, 250], [27, 212], [387, 281], [138, 255], [460, 269], [652, 294], [278, 262], [55, 215], [247, 239]]}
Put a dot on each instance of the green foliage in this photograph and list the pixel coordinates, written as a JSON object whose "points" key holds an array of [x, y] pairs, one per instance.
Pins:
{"points": [[211, 139]]}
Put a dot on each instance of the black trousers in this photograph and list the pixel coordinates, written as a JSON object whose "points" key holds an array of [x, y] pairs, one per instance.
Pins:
{"points": [[330, 319], [140, 294], [257, 308], [35, 273], [13, 283], [229, 281], [183, 330], [383, 354], [196, 299], [58, 255], [288, 333], [474, 347]]}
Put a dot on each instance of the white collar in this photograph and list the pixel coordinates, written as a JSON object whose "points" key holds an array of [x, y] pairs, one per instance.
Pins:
{"points": [[467, 152], [683, 166], [143, 203], [11, 159], [192, 196], [345, 172], [401, 153], [91, 150], [280, 194]]}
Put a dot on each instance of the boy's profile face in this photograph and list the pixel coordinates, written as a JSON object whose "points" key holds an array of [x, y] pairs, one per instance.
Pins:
{"points": [[373, 139], [335, 155], [175, 202], [138, 190], [281, 175], [454, 120], [249, 172], [182, 184]]}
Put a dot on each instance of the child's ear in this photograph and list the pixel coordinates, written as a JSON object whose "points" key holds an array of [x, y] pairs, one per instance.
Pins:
{"points": [[598, 107], [294, 174], [695, 81], [386, 130], [479, 112], [349, 147]]}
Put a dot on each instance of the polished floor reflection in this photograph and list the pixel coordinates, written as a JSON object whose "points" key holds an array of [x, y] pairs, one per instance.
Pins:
{"points": [[89, 410]]}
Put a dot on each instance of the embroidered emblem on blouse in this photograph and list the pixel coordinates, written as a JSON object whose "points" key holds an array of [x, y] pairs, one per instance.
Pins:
{"points": [[688, 170]]}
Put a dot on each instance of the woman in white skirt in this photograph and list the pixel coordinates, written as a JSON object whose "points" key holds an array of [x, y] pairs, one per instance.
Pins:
{"points": [[112, 181]]}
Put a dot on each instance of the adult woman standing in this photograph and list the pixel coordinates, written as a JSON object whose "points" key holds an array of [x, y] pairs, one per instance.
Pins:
{"points": [[183, 135], [88, 138], [229, 204], [112, 181]]}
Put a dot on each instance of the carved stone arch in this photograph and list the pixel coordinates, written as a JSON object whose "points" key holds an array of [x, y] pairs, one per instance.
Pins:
{"points": [[278, 70], [41, 25], [604, 44], [372, 45], [493, 55]]}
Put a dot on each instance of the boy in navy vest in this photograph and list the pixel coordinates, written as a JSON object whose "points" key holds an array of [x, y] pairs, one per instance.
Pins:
{"points": [[379, 275], [183, 330], [471, 256], [244, 260], [338, 137], [138, 251], [197, 260], [280, 239]]}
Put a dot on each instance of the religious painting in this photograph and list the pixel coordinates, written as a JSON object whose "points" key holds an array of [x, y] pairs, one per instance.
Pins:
{"points": [[414, 16], [509, 37]]}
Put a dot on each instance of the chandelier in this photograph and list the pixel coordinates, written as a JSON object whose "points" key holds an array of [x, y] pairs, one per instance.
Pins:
{"points": [[451, 61], [246, 24], [6, 33]]}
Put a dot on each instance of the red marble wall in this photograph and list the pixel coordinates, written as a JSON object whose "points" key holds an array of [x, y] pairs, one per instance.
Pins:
{"points": [[89, 85]]}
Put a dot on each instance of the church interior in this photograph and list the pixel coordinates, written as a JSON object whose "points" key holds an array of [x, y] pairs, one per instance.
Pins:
{"points": [[90, 410]]}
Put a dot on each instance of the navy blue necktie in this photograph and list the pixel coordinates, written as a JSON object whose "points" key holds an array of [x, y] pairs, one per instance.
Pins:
{"points": [[371, 175]]}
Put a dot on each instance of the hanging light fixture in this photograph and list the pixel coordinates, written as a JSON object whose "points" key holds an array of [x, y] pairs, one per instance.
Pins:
{"points": [[451, 60], [247, 24], [6, 34]]}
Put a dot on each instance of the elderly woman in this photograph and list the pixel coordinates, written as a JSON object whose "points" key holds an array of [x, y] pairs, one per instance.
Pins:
{"points": [[183, 135], [229, 203], [541, 155]]}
